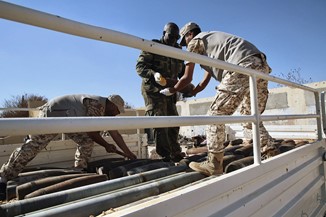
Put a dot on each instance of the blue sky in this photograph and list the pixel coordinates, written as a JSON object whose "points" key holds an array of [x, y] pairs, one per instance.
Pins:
{"points": [[38, 61]]}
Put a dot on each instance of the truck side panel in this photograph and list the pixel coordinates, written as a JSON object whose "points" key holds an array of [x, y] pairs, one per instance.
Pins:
{"points": [[291, 184]]}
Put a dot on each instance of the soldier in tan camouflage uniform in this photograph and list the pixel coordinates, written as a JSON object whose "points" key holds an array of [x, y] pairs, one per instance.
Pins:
{"points": [[158, 72], [233, 90], [70, 106]]}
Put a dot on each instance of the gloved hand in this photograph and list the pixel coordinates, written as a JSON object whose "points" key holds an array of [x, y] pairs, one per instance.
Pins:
{"points": [[166, 92], [159, 79]]}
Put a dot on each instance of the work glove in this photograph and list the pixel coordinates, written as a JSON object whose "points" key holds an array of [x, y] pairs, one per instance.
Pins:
{"points": [[166, 92], [159, 79]]}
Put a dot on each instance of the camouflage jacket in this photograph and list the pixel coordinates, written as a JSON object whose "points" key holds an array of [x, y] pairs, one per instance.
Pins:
{"points": [[149, 63]]}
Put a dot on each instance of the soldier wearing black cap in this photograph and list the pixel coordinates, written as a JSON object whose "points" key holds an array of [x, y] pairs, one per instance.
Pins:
{"points": [[158, 72]]}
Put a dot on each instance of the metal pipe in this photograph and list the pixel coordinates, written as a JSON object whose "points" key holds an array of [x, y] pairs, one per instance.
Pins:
{"points": [[140, 154], [238, 164], [323, 110], [197, 157], [31, 176], [18, 109], [246, 150], [41, 202], [229, 159], [149, 167], [141, 201], [287, 117], [122, 170], [24, 189], [23, 126], [68, 184], [231, 149], [255, 125], [97, 204], [53, 22], [318, 119]]}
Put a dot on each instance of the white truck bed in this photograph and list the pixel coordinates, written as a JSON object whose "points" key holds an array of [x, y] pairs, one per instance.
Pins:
{"points": [[290, 184]]}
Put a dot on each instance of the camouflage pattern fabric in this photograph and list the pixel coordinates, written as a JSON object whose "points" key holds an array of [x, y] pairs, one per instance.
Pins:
{"points": [[233, 92], [166, 139], [21, 156], [35, 144], [157, 104], [93, 107], [84, 150]]}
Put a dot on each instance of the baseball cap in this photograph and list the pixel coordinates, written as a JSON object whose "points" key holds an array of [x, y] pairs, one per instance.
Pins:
{"points": [[185, 29], [118, 101]]}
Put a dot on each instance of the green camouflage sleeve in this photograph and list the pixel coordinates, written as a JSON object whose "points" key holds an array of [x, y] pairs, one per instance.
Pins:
{"points": [[93, 107], [144, 65]]}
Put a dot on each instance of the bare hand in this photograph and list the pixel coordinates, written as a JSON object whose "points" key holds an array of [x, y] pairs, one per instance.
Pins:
{"points": [[111, 148], [132, 156]]}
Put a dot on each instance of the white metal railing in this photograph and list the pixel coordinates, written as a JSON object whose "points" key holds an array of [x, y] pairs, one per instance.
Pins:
{"points": [[17, 126], [322, 100], [17, 109]]}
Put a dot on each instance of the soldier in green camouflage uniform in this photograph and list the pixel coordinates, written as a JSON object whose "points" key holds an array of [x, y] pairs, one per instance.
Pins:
{"points": [[233, 90], [70, 106], [148, 64]]}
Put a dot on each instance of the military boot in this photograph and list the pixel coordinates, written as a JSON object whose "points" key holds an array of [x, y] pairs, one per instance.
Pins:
{"points": [[213, 165]]}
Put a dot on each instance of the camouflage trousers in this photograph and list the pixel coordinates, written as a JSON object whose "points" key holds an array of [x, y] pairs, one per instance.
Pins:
{"points": [[35, 144], [233, 92], [166, 139]]}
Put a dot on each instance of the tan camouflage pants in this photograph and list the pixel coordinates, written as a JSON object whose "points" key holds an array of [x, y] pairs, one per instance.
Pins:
{"points": [[35, 144], [233, 92]]}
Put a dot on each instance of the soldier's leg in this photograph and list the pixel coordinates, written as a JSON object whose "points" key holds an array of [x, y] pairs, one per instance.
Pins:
{"points": [[84, 150], [262, 92], [173, 132], [160, 135], [21, 156], [155, 106], [229, 95]]}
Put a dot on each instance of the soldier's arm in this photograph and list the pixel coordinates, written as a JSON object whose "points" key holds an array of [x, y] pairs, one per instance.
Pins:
{"points": [[116, 136], [94, 108], [202, 85], [144, 66], [96, 137]]}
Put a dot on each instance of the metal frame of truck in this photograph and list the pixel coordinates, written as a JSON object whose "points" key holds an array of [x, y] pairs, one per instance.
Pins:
{"points": [[290, 184]]}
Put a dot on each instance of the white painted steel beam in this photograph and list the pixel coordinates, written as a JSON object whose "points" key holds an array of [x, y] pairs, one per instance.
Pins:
{"points": [[54, 22], [25, 126], [255, 125], [21, 126]]}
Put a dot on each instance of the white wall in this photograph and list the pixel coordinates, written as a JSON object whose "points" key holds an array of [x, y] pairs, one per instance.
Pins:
{"points": [[283, 100]]}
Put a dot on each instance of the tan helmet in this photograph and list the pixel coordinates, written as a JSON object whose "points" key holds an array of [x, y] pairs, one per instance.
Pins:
{"points": [[185, 29], [118, 101]]}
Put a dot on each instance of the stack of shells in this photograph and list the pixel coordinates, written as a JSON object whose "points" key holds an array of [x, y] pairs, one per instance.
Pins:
{"points": [[239, 153]]}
